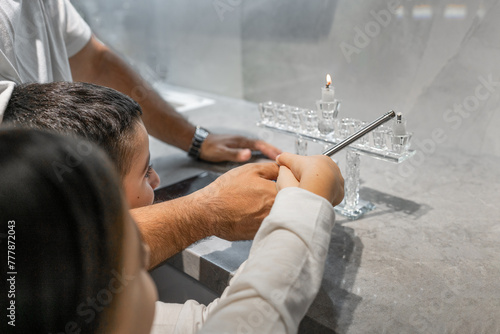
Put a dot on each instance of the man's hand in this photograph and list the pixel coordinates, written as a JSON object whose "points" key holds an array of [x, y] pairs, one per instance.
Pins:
{"points": [[217, 148], [232, 207], [318, 174], [238, 201]]}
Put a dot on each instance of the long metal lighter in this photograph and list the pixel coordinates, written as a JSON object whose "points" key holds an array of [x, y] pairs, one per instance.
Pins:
{"points": [[355, 136]]}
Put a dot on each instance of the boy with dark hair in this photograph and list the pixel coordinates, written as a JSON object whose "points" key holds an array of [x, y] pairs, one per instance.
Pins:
{"points": [[102, 115], [232, 207]]}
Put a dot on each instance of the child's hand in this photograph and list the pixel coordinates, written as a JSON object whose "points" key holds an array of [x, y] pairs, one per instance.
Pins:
{"points": [[317, 174], [286, 179]]}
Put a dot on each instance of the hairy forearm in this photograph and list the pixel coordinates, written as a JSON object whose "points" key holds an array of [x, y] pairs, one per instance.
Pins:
{"points": [[97, 64], [170, 227]]}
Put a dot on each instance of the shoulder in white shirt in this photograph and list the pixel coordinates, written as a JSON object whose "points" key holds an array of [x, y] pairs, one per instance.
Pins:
{"points": [[37, 38]]}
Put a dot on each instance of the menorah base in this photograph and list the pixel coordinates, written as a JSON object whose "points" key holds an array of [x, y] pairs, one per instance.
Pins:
{"points": [[351, 213]]}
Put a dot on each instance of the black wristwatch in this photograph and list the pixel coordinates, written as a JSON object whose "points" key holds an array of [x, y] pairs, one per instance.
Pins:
{"points": [[200, 134]]}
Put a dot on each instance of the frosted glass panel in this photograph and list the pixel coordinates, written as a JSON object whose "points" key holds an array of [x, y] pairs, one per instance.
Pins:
{"points": [[435, 61]]}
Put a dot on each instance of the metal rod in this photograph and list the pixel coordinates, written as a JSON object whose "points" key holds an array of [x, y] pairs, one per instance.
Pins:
{"points": [[355, 136]]}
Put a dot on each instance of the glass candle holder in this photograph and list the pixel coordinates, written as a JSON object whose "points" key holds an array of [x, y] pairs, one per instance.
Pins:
{"points": [[301, 146], [267, 112], [365, 140], [327, 112], [382, 137], [310, 122], [348, 126], [294, 118], [401, 143], [281, 112]]}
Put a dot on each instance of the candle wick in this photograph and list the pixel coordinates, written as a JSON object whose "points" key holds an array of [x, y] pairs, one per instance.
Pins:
{"points": [[327, 85]]}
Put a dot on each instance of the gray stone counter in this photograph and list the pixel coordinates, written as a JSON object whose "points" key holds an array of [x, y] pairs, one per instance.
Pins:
{"points": [[426, 260]]}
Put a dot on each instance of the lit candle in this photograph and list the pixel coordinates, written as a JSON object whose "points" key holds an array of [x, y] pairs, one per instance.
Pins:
{"points": [[328, 92]]}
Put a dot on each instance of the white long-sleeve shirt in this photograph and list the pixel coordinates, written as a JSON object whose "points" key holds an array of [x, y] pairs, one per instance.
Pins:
{"points": [[272, 291]]}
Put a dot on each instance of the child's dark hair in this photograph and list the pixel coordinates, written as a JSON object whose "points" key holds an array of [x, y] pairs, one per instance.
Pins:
{"points": [[66, 228], [99, 114]]}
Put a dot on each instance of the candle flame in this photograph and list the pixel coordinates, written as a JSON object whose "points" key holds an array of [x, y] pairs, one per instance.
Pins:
{"points": [[328, 80]]}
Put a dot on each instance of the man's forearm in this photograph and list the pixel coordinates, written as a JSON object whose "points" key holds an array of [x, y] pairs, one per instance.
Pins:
{"points": [[170, 227], [96, 63]]}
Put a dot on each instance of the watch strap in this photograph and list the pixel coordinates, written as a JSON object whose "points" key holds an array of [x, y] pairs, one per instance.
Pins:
{"points": [[200, 134]]}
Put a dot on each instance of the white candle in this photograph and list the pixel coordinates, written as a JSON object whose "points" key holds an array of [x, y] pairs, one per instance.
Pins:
{"points": [[328, 92]]}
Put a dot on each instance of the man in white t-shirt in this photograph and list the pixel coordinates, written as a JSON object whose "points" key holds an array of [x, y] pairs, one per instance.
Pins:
{"points": [[47, 40], [38, 38]]}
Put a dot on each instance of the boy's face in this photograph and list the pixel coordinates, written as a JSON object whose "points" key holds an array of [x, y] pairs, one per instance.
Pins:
{"points": [[141, 180]]}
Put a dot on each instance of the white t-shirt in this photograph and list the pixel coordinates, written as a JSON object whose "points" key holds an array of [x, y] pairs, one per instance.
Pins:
{"points": [[36, 39]]}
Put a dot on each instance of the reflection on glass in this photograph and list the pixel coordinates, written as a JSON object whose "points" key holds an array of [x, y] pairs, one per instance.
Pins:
{"points": [[422, 12], [400, 12], [455, 12]]}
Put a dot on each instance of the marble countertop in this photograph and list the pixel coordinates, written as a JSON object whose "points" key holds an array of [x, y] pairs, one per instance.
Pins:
{"points": [[426, 260]]}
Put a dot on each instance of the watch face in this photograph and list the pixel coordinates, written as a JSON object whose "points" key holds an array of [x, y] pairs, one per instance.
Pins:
{"points": [[202, 132]]}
